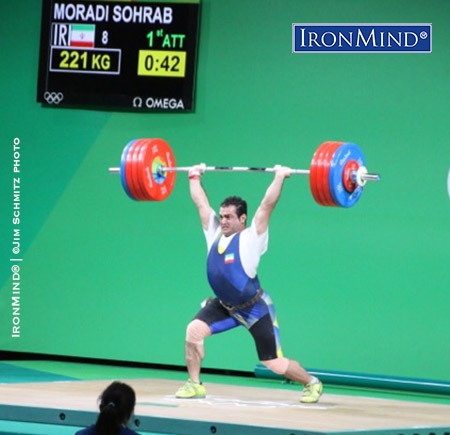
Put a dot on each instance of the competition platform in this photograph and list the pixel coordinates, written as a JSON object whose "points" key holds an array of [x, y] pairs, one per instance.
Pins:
{"points": [[59, 398]]}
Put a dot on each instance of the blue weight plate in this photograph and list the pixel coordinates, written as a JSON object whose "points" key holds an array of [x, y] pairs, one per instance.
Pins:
{"points": [[345, 153], [123, 162]]}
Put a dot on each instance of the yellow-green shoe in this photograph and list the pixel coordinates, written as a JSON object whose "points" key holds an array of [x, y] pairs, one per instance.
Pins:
{"points": [[191, 390], [312, 392]]}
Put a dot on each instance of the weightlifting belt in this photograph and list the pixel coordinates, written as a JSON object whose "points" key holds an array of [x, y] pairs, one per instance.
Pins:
{"points": [[249, 303]]}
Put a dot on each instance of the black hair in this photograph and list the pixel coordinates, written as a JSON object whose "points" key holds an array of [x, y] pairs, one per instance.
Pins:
{"points": [[239, 203], [116, 406]]}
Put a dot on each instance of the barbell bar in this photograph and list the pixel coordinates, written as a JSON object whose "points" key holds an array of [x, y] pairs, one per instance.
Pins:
{"points": [[337, 173], [162, 169]]}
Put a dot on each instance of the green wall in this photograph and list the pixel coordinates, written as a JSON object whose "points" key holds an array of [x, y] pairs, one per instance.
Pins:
{"points": [[363, 290]]}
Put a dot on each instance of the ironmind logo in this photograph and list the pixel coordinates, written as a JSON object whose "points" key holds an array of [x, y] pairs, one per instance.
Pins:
{"points": [[361, 38]]}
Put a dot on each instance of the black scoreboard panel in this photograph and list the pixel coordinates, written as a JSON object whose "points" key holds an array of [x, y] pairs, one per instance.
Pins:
{"points": [[134, 55]]}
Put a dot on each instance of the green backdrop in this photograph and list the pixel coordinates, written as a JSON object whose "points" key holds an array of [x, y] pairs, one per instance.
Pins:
{"points": [[362, 290]]}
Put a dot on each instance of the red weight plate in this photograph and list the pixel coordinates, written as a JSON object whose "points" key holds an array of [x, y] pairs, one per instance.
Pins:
{"points": [[132, 171], [146, 179], [156, 153], [137, 174], [324, 182], [319, 181], [319, 184], [139, 171], [128, 173], [314, 174], [143, 170], [319, 174]]}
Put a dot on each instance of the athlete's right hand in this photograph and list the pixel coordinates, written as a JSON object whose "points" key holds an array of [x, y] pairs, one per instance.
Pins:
{"points": [[196, 171]]}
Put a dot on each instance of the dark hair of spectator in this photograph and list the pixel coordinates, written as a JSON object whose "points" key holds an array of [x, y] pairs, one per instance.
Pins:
{"points": [[116, 407]]}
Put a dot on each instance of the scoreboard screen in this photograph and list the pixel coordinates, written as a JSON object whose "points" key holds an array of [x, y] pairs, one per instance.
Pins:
{"points": [[129, 55]]}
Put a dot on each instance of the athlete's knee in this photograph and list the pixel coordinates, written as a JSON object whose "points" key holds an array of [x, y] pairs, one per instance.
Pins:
{"points": [[197, 331], [277, 365]]}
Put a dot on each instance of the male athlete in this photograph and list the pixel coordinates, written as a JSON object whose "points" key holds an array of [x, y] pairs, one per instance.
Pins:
{"points": [[234, 251]]}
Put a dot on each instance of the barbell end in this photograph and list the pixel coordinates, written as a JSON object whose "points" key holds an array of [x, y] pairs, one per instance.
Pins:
{"points": [[114, 170], [372, 177], [361, 176]]}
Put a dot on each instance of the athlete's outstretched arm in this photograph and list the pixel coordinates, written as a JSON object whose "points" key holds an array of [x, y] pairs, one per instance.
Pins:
{"points": [[198, 195], [268, 203]]}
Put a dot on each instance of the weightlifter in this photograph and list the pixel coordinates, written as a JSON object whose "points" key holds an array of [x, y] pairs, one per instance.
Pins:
{"points": [[234, 252]]}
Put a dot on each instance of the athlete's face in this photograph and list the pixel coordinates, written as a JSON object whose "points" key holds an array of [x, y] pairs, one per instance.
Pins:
{"points": [[230, 223]]}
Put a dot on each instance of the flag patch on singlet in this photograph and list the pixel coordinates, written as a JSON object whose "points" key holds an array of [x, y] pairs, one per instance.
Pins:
{"points": [[229, 258]]}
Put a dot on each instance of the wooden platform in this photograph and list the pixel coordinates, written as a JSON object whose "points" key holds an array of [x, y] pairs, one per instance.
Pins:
{"points": [[228, 409]]}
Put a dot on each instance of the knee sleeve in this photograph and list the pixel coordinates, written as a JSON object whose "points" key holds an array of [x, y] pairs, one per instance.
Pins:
{"points": [[196, 331], [277, 365]]}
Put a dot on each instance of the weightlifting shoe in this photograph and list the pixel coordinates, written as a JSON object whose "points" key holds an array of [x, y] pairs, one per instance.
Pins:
{"points": [[312, 392], [191, 390]]}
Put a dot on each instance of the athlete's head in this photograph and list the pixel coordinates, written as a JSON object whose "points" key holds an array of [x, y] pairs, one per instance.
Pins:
{"points": [[233, 215]]}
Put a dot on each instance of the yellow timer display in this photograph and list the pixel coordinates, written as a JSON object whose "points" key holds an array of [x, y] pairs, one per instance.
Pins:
{"points": [[160, 63]]}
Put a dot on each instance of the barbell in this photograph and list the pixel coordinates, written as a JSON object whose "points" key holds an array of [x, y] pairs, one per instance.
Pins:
{"points": [[337, 173]]}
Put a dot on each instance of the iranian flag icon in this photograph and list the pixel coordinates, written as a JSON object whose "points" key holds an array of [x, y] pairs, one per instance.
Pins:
{"points": [[82, 35]]}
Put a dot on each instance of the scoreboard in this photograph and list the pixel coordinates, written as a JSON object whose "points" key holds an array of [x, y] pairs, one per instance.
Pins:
{"points": [[129, 55]]}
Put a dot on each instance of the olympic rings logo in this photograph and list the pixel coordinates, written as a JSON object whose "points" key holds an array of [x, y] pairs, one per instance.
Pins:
{"points": [[53, 97]]}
